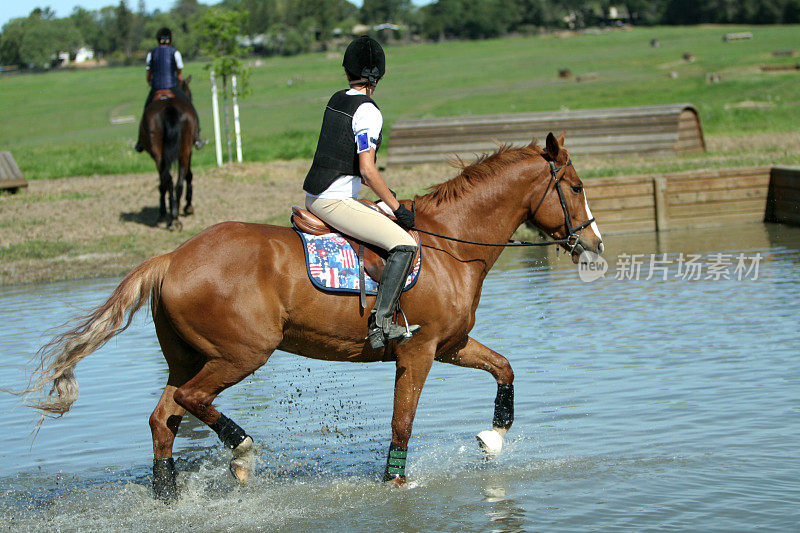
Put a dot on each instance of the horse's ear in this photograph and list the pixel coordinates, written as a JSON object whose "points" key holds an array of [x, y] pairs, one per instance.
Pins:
{"points": [[552, 146], [188, 79], [561, 137]]}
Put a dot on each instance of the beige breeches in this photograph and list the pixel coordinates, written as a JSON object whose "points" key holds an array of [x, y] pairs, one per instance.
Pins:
{"points": [[357, 220]]}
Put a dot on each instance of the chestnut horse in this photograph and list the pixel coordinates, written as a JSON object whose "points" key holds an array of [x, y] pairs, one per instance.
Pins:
{"points": [[167, 132], [226, 299]]}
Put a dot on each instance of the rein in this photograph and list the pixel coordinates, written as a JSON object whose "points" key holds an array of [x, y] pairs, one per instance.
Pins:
{"points": [[574, 233]]}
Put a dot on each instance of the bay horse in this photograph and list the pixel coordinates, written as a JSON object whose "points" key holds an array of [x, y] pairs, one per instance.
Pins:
{"points": [[167, 132], [227, 298]]}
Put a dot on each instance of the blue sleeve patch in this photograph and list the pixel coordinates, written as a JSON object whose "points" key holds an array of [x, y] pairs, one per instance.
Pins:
{"points": [[362, 141]]}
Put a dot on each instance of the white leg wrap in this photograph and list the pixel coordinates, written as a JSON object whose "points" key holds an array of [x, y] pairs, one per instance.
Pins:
{"points": [[243, 460], [491, 441]]}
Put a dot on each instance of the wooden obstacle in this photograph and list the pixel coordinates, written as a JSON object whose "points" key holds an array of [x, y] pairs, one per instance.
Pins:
{"points": [[779, 68], [11, 178], [623, 130], [682, 200], [738, 36], [783, 201]]}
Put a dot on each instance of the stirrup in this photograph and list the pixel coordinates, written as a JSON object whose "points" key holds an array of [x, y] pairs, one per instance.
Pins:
{"points": [[380, 335], [199, 143]]}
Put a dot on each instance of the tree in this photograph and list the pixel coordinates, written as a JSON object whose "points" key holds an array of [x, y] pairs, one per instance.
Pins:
{"points": [[263, 14], [791, 13], [218, 32], [534, 13], [38, 39], [377, 11], [86, 24], [472, 19], [123, 26], [11, 36], [648, 11]]}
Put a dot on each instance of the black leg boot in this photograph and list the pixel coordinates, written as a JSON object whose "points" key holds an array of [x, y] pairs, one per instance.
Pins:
{"points": [[382, 328], [164, 485]]}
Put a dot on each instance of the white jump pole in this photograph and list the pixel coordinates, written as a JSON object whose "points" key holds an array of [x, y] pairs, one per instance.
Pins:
{"points": [[236, 128], [215, 111]]}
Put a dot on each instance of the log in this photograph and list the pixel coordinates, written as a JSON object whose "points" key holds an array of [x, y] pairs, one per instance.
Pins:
{"points": [[11, 178], [644, 129]]}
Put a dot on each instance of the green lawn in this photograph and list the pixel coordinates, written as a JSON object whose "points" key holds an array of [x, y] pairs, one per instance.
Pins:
{"points": [[57, 124]]}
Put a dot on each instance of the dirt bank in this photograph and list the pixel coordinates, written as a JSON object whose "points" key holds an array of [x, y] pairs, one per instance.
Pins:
{"points": [[94, 226]]}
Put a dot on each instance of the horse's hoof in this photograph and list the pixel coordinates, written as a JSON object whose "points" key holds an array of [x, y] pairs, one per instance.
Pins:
{"points": [[397, 482], [490, 442], [243, 460], [188, 210], [176, 225]]}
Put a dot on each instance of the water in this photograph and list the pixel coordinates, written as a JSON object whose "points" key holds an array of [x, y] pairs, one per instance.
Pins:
{"points": [[640, 404]]}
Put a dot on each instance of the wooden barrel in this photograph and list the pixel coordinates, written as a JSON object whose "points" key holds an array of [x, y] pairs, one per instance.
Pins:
{"points": [[10, 175], [623, 130]]}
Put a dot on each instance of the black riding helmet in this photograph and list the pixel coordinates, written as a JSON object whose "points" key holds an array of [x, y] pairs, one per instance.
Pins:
{"points": [[164, 36], [364, 59]]}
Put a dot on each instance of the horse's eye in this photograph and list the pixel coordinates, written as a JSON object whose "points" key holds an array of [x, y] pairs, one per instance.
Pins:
{"points": [[577, 189]]}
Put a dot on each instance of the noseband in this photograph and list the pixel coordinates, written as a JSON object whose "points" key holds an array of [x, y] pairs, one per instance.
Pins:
{"points": [[573, 232]]}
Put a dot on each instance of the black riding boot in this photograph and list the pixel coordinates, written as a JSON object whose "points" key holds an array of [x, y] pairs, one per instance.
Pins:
{"points": [[382, 328]]}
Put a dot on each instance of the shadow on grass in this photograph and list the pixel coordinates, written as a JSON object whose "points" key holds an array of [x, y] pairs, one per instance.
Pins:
{"points": [[147, 216]]}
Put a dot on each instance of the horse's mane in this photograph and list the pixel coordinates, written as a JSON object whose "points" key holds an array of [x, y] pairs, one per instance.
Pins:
{"points": [[483, 168]]}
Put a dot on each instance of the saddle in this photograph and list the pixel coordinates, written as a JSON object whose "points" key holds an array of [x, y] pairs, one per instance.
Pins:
{"points": [[163, 94], [372, 259]]}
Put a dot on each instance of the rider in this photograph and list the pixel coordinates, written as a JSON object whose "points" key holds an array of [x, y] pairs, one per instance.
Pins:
{"points": [[345, 158], [165, 71]]}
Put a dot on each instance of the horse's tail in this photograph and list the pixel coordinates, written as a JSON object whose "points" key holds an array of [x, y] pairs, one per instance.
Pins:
{"points": [[57, 359], [171, 121]]}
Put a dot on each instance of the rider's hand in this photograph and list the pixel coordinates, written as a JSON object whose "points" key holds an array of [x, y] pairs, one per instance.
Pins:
{"points": [[404, 216]]}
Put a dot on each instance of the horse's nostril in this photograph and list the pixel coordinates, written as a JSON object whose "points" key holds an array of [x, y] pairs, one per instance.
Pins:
{"points": [[600, 247]]}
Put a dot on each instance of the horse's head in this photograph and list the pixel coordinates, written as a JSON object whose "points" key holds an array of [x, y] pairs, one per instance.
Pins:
{"points": [[184, 84], [559, 206]]}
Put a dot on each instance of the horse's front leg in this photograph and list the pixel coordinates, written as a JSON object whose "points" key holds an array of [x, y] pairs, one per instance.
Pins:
{"points": [[413, 364], [185, 178], [476, 355], [175, 208]]}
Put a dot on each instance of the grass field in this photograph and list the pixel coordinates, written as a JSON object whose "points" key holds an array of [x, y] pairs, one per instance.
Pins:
{"points": [[58, 124]]}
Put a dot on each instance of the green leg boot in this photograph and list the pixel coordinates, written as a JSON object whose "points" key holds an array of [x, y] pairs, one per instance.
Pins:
{"points": [[382, 328]]}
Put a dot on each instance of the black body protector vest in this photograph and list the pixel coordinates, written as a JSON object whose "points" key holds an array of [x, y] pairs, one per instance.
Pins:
{"points": [[336, 149]]}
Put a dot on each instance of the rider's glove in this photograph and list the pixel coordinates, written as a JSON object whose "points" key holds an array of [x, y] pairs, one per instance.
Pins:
{"points": [[404, 216]]}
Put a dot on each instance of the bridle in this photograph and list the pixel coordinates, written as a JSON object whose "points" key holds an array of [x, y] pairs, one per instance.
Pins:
{"points": [[573, 232]]}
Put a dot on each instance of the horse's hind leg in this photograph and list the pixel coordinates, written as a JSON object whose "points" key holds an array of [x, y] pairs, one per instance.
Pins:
{"points": [[164, 189], [476, 355], [164, 423], [167, 188], [183, 364], [197, 395], [188, 210]]}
